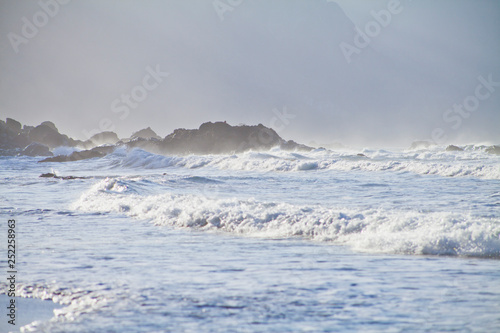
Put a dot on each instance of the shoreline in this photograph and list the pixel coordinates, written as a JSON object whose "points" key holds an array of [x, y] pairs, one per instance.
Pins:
{"points": [[28, 310]]}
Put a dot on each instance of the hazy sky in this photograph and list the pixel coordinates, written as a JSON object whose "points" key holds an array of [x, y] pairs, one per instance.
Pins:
{"points": [[299, 66]]}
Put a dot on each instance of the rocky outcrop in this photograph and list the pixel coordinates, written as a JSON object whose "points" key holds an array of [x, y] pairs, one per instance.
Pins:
{"points": [[146, 133], [292, 145], [51, 125], [103, 138], [13, 125], [36, 149], [53, 175], [17, 139], [47, 133], [81, 155], [220, 137], [152, 145], [209, 138], [454, 148], [12, 138]]}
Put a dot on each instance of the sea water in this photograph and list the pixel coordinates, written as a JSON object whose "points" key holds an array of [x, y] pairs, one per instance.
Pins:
{"points": [[277, 241]]}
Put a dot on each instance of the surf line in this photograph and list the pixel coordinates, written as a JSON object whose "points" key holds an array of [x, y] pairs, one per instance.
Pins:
{"points": [[12, 272]]}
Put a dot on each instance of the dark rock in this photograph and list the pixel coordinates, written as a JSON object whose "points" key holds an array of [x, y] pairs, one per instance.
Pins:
{"points": [[72, 177], [220, 137], [36, 149], [48, 135], [152, 145], [361, 155], [103, 138], [53, 175], [27, 129], [146, 133], [14, 137], [493, 150], [11, 138], [48, 175], [51, 125], [13, 125], [453, 148], [292, 145], [209, 138], [81, 155]]}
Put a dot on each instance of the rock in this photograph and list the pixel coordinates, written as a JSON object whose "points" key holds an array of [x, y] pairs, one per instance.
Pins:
{"points": [[47, 135], [71, 177], [103, 138], [146, 133], [13, 125], [11, 138], [51, 125], [220, 137], [453, 148], [209, 138], [493, 150], [14, 137], [152, 145], [26, 129], [36, 149], [81, 155], [292, 145], [53, 175], [48, 175]]}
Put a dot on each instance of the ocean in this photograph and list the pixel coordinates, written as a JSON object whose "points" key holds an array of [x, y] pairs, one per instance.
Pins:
{"points": [[277, 241]]}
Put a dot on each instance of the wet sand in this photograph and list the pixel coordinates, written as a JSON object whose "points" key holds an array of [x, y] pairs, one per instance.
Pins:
{"points": [[28, 310]]}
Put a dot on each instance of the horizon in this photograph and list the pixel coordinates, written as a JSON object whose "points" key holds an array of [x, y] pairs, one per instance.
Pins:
{"points": [[416, 71]]}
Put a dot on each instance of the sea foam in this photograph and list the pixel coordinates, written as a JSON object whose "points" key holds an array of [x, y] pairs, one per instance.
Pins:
{"points": [[369, 230], [477, 164]]}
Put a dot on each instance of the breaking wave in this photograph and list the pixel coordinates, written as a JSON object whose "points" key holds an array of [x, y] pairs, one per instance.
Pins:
{"points": [[473, 163], [369, 230]]}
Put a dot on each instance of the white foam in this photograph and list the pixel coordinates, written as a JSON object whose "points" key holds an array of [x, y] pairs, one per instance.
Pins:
{"points": [[64, 150], [74, 302], [448, 164], [372, 230]]}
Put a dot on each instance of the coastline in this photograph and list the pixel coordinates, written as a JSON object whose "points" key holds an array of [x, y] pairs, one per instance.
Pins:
{"points": [[28, 311]]}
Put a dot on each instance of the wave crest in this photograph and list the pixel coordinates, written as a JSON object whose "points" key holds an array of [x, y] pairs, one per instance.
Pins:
{"points": [[371, 230], [476, 164]]}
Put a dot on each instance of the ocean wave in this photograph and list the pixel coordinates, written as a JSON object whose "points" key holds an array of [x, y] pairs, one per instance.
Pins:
{"points": [[64, 150], [474, 163], [369, 230], [202, 180]]}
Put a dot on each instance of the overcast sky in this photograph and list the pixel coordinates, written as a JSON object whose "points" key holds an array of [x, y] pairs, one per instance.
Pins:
{"points": [[300, 66]]}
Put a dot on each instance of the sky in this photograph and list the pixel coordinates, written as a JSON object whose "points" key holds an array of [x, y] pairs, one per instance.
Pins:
{"points": [[369, 73]]}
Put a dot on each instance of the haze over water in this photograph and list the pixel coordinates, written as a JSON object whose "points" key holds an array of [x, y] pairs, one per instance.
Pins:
{"points": [[238, 63]]}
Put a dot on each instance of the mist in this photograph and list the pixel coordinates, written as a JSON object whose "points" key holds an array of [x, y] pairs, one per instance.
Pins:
{"points": [[418, 70]]}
